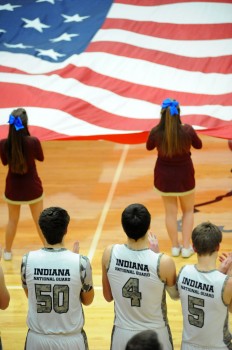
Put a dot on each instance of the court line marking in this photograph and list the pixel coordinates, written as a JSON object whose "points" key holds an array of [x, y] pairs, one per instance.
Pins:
{"points": [[108, 202]]}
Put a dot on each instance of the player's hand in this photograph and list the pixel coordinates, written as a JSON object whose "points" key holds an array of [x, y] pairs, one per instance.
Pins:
{"points": [[223, 256], [153, 242], [226, 263], [76, 247]]}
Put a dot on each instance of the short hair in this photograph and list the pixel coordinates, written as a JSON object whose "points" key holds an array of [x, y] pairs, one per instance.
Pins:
{"points": [[206, 238], [54, 222], [145, 340], [135, 220]]}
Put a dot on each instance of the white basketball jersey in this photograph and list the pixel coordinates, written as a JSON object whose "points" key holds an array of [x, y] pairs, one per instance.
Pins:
{"points": [[138, 292], [53, 280], [205, 316]]}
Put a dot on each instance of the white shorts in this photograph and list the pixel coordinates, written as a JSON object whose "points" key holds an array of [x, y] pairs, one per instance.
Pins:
{"points": [[36, 341], [120, 337], [187, 346]]}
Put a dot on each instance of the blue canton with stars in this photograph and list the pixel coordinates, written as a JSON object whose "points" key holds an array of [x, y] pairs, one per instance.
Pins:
{"points": [[52, 30]]}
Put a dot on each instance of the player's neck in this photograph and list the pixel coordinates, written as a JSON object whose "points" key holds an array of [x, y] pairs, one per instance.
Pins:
{"points": [[54, 246], [207, 262], [137, 245]]}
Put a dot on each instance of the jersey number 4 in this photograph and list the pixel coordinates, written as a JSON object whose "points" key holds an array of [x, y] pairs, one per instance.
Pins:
{"points": [[131, 290], [48, 298]]}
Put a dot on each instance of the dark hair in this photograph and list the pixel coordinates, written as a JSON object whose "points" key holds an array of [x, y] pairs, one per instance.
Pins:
{"points": [[206, 238], [145, 340], [136, 221], [54, 222], [15, 146], [170, 134]]}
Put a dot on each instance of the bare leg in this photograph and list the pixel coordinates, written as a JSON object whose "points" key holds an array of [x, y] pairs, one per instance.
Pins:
{"points": [[36, 209], [13, 219], [171, 210], [187, 207]]}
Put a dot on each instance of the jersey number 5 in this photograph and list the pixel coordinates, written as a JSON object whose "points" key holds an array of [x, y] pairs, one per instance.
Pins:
{"points": [[131, 290], [196, 317], [59, 300]]}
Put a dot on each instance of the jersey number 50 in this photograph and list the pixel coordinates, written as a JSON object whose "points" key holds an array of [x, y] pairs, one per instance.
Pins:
{"points": [[58, 300]]}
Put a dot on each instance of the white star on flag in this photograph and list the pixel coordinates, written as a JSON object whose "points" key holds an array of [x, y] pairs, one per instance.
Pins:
{"points": [[35, 23]]}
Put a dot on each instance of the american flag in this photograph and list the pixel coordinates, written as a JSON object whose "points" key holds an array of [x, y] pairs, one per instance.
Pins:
{"points": [[99, 69]]}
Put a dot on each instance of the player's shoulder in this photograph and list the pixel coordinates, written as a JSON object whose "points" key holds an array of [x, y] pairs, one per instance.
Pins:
{"points": [[166, 259], [107, 253], [167, 263], [32, 253], [229, 284], [108, 249]]}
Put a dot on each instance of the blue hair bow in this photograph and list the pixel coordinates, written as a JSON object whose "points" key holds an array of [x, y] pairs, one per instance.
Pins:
{"points": [[172, 104], [16, 121]]}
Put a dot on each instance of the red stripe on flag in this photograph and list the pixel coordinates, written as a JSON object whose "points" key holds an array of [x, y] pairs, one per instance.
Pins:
{"points": [[221, 64], [172, 31], [151, 94]]}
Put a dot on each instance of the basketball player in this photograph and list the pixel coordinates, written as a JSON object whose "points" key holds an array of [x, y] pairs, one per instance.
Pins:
{"points": [[205, 294], [136, 278], [4, 293], [57, 283]]}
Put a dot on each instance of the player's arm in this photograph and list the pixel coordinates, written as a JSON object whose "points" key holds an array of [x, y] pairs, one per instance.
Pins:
{"points": [[168, 275], [4, 294], [227, 294], [87, 291], [87, 297], [226, 268], [226, 263], [107, 293], [25, 291], [23, 274]]}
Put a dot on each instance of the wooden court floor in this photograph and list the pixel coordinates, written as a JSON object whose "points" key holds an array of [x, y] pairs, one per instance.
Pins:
{"points": [[94, 181]]}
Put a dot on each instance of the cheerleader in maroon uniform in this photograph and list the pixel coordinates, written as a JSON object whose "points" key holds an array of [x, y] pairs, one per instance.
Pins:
{"points": [[23, 185], [174, 172]]}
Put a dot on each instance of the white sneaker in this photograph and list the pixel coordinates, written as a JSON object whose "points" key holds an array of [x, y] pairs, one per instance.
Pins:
{"points": [[176, 251], [187, 252], [7, 255]]}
